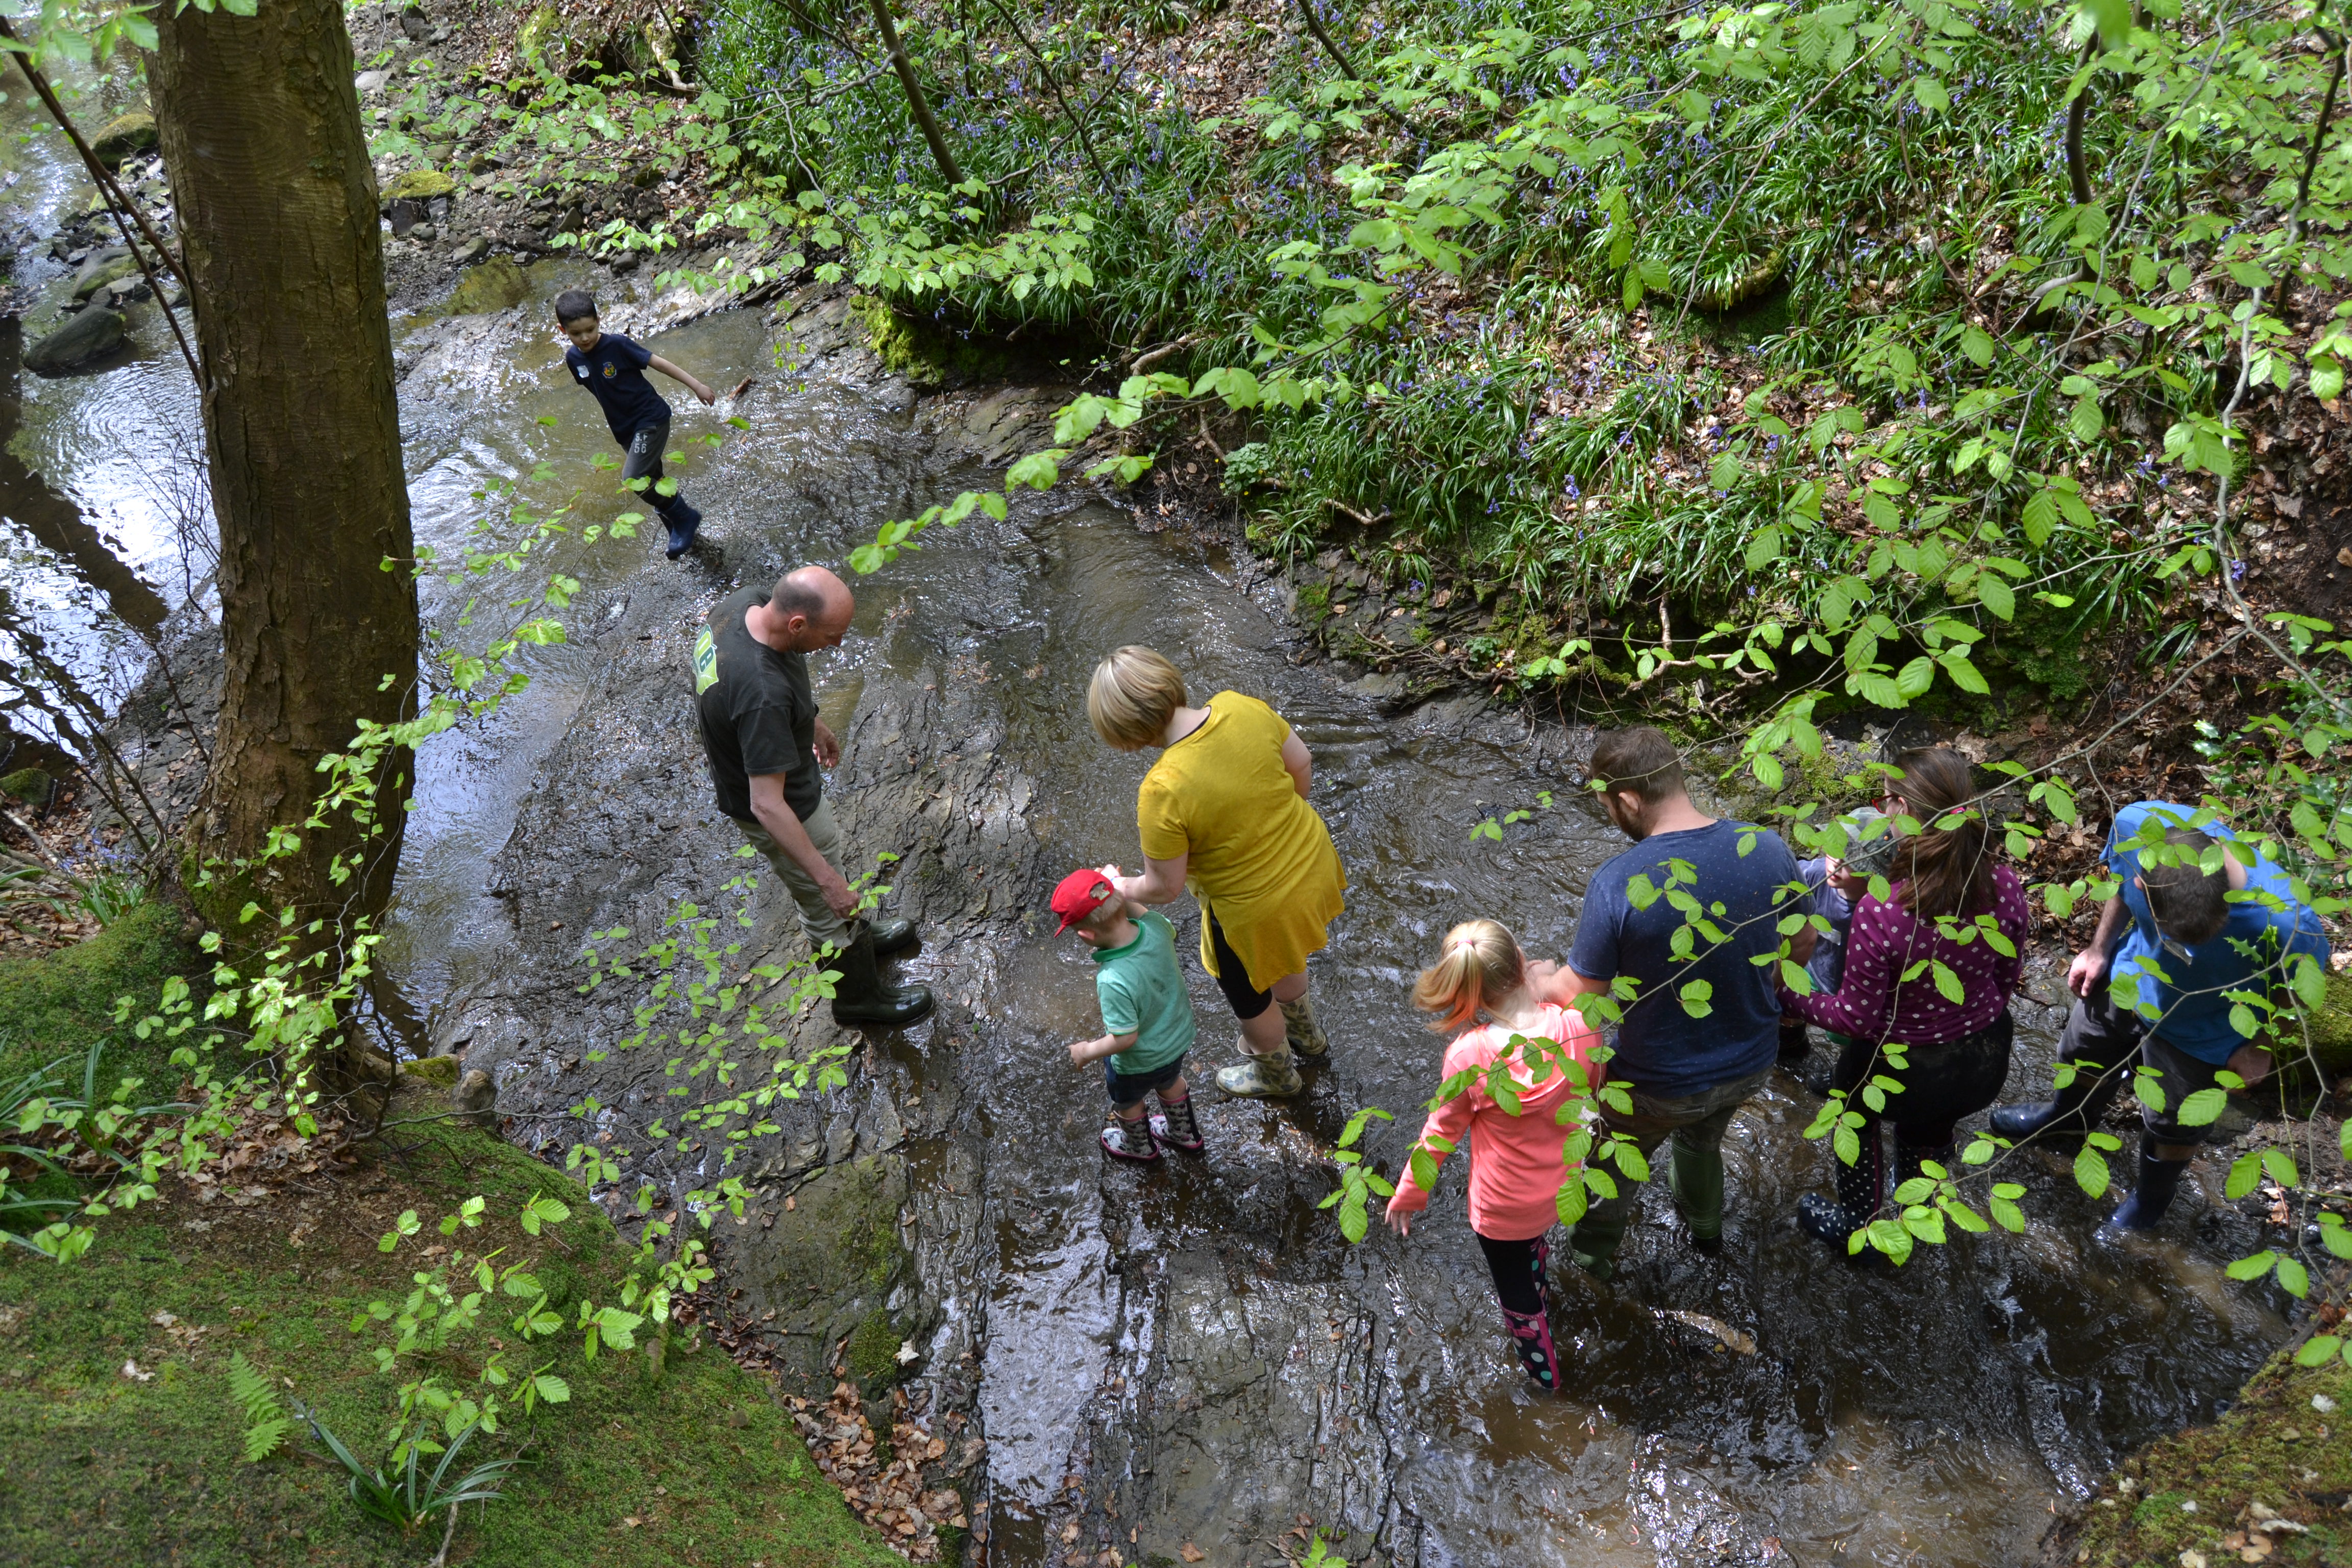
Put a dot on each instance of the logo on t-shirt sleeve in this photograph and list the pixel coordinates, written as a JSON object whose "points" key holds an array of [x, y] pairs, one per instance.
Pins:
{"points": [[580, 371], [706, 662]]}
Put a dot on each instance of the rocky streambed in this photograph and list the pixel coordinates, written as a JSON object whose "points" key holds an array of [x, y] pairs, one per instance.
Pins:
{"points": [[1189, 1360]]}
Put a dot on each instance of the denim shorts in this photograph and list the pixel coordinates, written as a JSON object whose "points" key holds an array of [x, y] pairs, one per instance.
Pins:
{"points": [[1129, 1089]]}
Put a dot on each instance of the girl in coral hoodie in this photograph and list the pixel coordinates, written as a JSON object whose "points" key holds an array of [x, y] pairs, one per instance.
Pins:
{"points": [[1519, 1077]]}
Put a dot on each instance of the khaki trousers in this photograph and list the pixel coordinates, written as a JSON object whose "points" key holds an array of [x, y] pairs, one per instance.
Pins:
{"points": [[823, 927]]}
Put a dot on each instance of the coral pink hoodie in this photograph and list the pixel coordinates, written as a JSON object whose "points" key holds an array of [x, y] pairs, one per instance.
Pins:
{"points": [[1514, 1164]]}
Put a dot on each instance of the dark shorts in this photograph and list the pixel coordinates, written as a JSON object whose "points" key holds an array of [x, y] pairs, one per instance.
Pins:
{"points": [[1232, 977], [2103, 1041], [1129, 1089]]}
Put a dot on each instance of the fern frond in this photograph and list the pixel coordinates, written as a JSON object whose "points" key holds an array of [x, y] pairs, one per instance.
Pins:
{"points": [[266, 1424]]}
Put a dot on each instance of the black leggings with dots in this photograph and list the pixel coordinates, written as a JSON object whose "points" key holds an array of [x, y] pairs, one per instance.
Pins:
{"points": [[1517, 1268]]}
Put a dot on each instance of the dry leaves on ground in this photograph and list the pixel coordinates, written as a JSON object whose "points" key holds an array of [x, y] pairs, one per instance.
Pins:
{"points": [[889, 1496]]}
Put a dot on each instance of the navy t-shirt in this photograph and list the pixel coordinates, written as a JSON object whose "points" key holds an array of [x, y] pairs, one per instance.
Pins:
{"points": [[615, 371], [1661, 1048]]}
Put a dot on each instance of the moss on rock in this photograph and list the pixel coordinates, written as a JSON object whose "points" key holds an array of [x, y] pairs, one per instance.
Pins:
{"points": [[58, 1004], [419, 186], [2284, 1450], [30, 786]]}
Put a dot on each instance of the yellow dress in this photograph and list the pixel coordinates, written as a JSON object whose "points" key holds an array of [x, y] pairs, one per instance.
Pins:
{"points": [[1260, 858]]}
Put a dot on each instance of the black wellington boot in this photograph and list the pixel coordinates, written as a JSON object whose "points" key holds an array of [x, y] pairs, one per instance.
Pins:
{"points": [[892, 936], [1856, 1204], [859, 998]]}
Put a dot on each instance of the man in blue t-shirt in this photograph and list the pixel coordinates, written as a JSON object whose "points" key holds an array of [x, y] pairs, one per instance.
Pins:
{"points": [[612, 369], [1686, 916], [2198, 916]]}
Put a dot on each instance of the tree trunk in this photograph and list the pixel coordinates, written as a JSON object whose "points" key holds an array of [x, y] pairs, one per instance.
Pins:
{"points": [[260, 129]]}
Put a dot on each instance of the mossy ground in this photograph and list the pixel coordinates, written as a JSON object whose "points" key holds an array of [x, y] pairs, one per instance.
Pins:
{"points": [[55, 1005], [2274, 1449], [693, 1463]]}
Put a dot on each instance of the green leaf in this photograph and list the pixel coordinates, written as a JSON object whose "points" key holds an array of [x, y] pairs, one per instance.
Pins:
{"points": [[2007, 1215], [1763, 547], [2200, 1109], [2252, 1268], [2280, 1165], [2245, 1174], [1931, 95], [2087, 422], [2319, 1350], [1977, 345], [2091, 1171], [1996, 595], [2293, 1278]]}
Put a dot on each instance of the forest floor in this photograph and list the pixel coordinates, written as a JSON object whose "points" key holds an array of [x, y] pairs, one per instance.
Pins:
{"points": [[117, 1417]]}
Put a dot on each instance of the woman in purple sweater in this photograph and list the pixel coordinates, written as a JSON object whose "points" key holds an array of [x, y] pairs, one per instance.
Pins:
{"points": [[1957, 915]]}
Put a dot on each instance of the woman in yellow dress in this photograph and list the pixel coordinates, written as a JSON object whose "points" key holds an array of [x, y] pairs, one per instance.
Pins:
{"points": [[1225, 812]]}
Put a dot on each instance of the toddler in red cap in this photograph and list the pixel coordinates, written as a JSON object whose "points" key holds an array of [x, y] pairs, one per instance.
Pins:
{"points": [[1146, 1015]]}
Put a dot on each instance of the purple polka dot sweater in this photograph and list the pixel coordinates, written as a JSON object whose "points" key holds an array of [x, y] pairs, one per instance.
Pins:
{"points": [[1876, 1003]]}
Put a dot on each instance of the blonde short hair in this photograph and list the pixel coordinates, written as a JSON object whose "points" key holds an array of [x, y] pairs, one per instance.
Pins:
{"points": [[1133, 694], [1480, 966]]}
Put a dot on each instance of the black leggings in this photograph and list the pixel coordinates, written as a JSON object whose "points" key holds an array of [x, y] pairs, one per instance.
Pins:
{"points": [[1517, 1268], [1232, 977], [1941, 1084]]}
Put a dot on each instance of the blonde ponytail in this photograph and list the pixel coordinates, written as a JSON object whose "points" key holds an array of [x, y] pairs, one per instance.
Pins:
{"points": [[1480, 966]]}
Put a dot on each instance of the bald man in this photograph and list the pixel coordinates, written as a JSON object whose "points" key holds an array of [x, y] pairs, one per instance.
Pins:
{"points": [[767, 747]]}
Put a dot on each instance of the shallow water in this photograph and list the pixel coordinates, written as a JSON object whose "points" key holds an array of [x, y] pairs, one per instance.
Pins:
{"points": [[1192, 1345]]}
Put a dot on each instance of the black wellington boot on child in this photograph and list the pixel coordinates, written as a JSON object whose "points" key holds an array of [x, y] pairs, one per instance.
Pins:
{"points": [[1176, 1127], [1858, 1187], [859, 998]]}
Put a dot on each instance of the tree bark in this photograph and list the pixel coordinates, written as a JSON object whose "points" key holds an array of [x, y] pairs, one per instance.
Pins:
{"points": [[916, 103], [260, 129]]}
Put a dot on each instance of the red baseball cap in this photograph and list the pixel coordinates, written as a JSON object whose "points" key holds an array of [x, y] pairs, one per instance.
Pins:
{"points": [[1080, 894]]}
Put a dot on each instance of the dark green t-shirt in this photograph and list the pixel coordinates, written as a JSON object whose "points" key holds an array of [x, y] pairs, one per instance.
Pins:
{"points": [[758, 713]]}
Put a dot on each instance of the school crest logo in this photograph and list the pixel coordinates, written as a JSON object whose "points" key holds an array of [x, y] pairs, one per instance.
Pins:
{"points": [[611, 369]]}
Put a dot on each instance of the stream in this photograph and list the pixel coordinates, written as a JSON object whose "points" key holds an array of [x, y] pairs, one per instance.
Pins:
{"points": [[1189, 1355]]}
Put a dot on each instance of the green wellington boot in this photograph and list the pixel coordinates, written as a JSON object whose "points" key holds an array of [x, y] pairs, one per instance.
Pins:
{"points": [[1269, 1077], [1301, 1030]]}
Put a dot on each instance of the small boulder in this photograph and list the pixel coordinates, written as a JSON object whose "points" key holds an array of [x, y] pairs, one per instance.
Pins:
{"points": [[30, 786], [102, 269], [122, 136], [474, 249], [123, 291], [424, 234], [404, 214], [415, 24], [419, 186], [476, 1100], [371, 82], [81, 340], [494, 285]]}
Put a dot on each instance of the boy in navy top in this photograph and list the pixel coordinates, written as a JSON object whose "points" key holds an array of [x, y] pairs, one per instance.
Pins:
{"points": [[612, 369]]}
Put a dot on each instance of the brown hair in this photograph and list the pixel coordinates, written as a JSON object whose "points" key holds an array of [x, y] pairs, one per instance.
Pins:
{"points": [[1480, 966], [2190, 903], [1946, 868], [1131, 696], [1638, 762]]}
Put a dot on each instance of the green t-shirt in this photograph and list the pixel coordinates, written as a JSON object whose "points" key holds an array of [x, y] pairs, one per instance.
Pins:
{"points": [[1143, 993]]}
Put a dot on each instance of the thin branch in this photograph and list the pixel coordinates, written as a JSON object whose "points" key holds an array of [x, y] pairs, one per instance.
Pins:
{"points": [[118, 204], [1054, 86]]}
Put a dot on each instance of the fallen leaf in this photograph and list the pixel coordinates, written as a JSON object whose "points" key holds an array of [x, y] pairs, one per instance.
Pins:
{"points": [[1190, 1552]]}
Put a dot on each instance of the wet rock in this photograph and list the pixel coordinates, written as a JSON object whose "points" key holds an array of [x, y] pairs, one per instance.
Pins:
{"points": [[121, 136], [829, 1267], [102, 269], [474, 249], [405, 215], [476, 1100], [84, 337], [626, 263], [126, 290], [418, 185], [493, 284]]}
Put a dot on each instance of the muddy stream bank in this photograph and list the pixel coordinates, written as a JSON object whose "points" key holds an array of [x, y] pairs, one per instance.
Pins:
{"points": [[1187, 1355]]}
